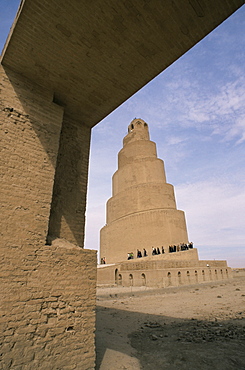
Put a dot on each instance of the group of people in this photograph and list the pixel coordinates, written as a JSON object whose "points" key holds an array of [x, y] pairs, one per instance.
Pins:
{"points": [[156, 250], [139, 254], [180, 247]]}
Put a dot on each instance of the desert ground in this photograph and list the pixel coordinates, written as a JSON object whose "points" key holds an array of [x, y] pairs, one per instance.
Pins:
{"points": [[195, 327]]}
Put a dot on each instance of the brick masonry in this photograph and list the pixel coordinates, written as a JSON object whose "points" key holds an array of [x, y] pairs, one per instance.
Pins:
{"points": [[67, 219], [48, 308], [30, 129], [47, 292], [181, 268]]}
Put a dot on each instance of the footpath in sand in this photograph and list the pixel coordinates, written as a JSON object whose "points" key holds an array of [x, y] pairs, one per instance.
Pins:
{"points": [[195, 327]]}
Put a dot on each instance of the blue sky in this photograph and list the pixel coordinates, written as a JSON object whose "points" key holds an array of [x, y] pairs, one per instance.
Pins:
{"points": [[196, 115]]}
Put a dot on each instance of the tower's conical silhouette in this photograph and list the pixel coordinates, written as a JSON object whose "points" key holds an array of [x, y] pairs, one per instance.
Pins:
{"points": [[142, 210]]}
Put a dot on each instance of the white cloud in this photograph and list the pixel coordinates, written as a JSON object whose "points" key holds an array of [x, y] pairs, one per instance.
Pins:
{"points": [[226, 104], [214, 211], [187, 103], [95, 220], [174, 140]]}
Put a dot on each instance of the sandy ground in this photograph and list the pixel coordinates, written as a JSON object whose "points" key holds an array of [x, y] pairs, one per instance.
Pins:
{"points": [[195, 327]]}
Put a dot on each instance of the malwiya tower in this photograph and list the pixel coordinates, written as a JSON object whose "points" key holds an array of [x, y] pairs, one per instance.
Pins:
{"points": [[142, 210]]}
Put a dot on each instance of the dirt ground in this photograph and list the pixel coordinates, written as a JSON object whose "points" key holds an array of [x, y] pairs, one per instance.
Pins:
{"points": [[196, 327]]}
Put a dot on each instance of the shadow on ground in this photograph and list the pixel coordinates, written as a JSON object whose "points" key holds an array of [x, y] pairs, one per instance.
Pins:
{"points": [[160, 342]]}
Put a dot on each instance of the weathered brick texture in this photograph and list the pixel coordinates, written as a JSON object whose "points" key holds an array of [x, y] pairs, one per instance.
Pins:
{"points": [[30, 130], [47, 313], [67, 218], [47, 293], [163, 271]]}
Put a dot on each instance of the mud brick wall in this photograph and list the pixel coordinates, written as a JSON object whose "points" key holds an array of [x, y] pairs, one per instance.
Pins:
{"points": [[48, 308], [162, 272], [30, 131], [67, 218], [47, 293]]}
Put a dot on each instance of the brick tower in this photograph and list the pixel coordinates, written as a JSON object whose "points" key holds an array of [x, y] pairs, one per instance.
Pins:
{"points": [[142, 210]]}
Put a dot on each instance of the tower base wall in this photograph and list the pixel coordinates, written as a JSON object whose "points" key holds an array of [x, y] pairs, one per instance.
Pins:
{"points": [[163, 272], [142, 230]]}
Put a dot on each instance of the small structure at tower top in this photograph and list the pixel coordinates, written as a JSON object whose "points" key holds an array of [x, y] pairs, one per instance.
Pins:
{"points": [[137, 130]]}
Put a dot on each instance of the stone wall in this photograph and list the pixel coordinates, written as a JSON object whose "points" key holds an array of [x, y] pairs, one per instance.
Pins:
{"points": [[47, 292]]}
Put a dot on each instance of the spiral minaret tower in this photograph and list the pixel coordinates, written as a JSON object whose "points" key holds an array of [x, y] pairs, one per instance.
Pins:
{"points": [[142, 210]]}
